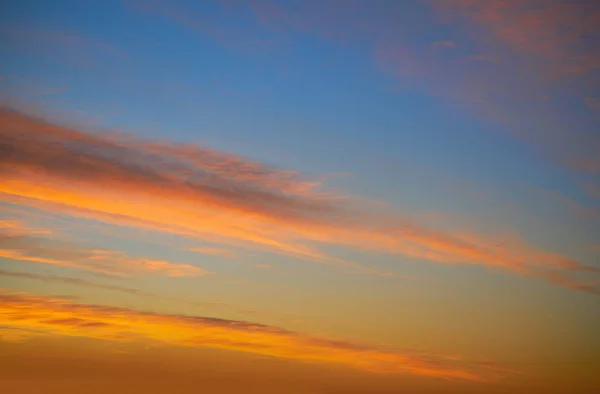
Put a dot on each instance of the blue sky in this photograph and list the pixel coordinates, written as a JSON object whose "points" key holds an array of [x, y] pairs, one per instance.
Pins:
{"points": [[453, 145]]}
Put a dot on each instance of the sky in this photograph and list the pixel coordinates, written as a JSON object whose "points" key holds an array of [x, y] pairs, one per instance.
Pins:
{"points": [[332, 196]]}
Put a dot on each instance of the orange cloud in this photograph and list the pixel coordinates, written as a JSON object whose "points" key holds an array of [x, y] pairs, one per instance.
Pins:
{"points": [[16, 228], [199, 193], [43, 315], [230, 254], [24, 244]]}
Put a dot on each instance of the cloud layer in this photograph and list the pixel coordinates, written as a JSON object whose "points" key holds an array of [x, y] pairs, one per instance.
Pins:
{"points": [[33, 245], [197, 192], [527, 67], [31, 316], [71, 281]]}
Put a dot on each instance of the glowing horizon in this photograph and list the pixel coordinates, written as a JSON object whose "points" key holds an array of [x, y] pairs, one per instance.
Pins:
{"points": [[315, 196]]}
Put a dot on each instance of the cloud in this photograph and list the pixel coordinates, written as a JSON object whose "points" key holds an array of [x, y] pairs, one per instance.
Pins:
{"points": [[137, 292], [548, 49], [212, 196], [15, 228], [16, 86], [553, 32], [575, 207], [593, 190], [482, 57], [204, 23], [593, 103], [59, 46], [27, 313], [23, 244], [444, 44], [511, 54], [230, 254], [71, 281]]}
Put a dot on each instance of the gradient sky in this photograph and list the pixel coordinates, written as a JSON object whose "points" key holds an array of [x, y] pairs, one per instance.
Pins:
{"points": [[329, 196]]}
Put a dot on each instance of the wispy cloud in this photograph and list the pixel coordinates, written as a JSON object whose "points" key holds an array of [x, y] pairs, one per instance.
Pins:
{"points": [[549, 48], [70, 281], [203, 23], [512, 53], [575, 207], [552, 32], [227, 253], [200, 193], [28, 313], [20, 243], [132, 291], [60, 46], [593, 103], [444, 44], [593, 190]]}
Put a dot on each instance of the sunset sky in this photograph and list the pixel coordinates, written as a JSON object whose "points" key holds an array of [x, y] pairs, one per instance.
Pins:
{"points": [[303, 196]]}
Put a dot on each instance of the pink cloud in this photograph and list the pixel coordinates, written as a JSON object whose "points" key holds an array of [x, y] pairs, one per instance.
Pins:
{"points": [[212, 196]]}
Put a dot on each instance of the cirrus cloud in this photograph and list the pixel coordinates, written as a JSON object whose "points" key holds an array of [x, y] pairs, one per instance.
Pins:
{"points": [[30, 315], [21, 243], [200, 193]]}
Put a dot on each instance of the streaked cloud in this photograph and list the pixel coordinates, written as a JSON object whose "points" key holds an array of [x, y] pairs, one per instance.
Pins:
{"points": [[133, 291], [512, 54], [200, 193], [444, 44], [27, 313], [482, 57], [548, 31], [70, 281], [13, 227], [593, 190], [549, 47], [227, 253], [201, 23], [575, 207], [593, 103], [60, 46], [21, 243]]}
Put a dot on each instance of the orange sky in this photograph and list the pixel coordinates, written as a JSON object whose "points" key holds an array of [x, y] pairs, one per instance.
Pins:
{"points": [[300, 197]]}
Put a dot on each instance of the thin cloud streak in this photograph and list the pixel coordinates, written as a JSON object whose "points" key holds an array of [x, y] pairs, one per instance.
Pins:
{"points": [[71, 281], [552, 32], [21, 243], [199, 22], [220, 199], [549, 46], [219, 252], [27, 313], [592, 190], [137, 292], [517, 64], [61, 46], [575, 207]]}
